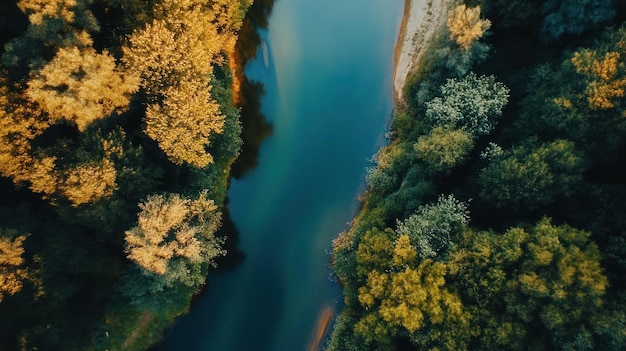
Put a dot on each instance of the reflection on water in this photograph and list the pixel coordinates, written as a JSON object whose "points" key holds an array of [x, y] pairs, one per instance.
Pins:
{"points": [[255, 127]]}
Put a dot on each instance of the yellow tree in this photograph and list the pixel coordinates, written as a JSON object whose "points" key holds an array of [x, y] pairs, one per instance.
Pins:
{"points": [[606, 77], [12, 272], [183, 122], [173, 232], [89, 182], [411, 297], [174, 55], [81, 86], [465, 25], [20, 123]]}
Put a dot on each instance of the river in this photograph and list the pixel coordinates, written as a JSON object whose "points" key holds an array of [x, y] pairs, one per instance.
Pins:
{"points": [[327, 72]]}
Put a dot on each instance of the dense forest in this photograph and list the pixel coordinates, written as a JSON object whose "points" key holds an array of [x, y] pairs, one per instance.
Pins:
{"points": [[117, 134], [494, 219]]}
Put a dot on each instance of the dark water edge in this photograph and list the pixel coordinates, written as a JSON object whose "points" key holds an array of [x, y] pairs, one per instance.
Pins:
{"points": [[255, 126]]}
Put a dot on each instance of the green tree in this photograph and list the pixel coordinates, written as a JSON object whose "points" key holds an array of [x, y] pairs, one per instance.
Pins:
{"points": [[564, 17], [545, 282], [443, 149], [431, 228], [531, 175], [471, 103]]}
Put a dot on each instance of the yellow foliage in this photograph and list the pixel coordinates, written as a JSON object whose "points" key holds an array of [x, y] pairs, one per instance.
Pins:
{"points": [[170, 227], [604, 73], [465, 25], [88, 183], [184, 121], [20, 123], [403, 253], [37, 10], [12, 274], [81, 86]]}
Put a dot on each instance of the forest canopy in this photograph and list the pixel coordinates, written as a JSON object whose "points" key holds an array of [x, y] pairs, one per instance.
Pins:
{"points": [[117, 131], [492, 220]]}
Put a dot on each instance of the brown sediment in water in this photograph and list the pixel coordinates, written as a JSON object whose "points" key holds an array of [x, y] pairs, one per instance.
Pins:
{"points": [[323, 321]]}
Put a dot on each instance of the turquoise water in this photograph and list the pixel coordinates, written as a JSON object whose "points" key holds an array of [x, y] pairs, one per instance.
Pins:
{"points": [[327, 74]]}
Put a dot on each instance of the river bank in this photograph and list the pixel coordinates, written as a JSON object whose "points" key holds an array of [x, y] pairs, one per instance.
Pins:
{"points": [[420, 20]]}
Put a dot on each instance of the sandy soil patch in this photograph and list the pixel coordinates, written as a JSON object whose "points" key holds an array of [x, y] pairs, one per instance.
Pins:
{"points": [[419, 23]]}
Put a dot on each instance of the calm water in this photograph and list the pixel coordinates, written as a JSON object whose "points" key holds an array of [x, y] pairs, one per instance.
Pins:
{"points": [[327, 74]]}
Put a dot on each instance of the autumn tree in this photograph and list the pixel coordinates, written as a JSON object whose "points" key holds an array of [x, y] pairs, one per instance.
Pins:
{"points": [[174, 55], [183, 122], [472, 103], [465, 25], [53, 24], [12, 270], [20, 123], [81, 86], [606, 75], [172, 232]]}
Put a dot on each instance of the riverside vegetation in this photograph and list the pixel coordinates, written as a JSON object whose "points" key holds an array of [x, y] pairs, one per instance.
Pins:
{"points": [[117, 133], [494, 218]]}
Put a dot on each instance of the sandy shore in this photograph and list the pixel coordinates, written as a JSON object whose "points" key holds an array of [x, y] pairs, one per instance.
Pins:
{"points": [[420, 20]]}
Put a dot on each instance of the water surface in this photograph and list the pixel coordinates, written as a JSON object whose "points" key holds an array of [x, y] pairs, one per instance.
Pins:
{"points": [[327, 76]]}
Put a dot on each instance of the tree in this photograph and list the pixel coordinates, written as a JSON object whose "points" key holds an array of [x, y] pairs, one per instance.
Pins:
{"points": [[81, 86], [465, 25], [20, 123], [443, 149], [53, 24], [173, 232], [174, 55], [413, 300], [531, 175], [471, 103], [545, 281], [184, 121], [89, 182], [12, 270], [606, 75], [432, 226], [574, 16]]}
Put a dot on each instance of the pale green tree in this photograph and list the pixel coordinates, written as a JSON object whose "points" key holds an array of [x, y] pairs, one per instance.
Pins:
{"points": [[472, 103]]}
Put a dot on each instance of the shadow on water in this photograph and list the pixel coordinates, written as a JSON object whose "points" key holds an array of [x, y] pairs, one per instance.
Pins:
{"points": [[255, 127], [230, 233]]}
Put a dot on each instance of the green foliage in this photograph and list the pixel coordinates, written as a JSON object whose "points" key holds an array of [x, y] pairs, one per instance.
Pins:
{"points": [[472, 103], [532, 175], [545, 282], [443, 149], [431, 228], [564, 17]]}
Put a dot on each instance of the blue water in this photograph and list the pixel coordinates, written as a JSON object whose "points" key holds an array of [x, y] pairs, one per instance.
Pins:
{"points": [[327, 79]]}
